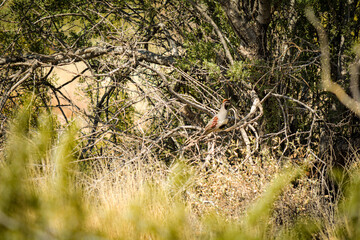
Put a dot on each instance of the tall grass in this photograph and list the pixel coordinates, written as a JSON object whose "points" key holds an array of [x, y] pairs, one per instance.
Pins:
{"points": [[44, 195]]}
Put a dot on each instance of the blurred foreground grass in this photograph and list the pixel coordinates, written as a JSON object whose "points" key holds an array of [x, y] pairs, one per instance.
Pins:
{"points": [[44, 195]]}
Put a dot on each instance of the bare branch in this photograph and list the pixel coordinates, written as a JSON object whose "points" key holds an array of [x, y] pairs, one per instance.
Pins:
{"points": [[84, 54], [247, 144], [58, 15], [27, 73], [354, 81], [244, 122], [326, 81], [178, 96], [295, 100]]}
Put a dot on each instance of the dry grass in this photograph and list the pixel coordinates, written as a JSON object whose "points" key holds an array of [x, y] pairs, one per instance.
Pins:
{"points": [[151, 200], [137, 201]]}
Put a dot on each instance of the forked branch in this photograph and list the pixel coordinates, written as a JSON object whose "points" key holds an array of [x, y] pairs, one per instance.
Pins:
{"points": [[352, 103]]}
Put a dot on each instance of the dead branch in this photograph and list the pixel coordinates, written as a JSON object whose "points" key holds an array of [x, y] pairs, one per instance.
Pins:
{"points": [[178, 96], [85, 54], [244, 121]]}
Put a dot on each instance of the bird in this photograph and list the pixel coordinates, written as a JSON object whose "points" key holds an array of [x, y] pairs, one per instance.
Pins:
{"points": [[219, 120]]}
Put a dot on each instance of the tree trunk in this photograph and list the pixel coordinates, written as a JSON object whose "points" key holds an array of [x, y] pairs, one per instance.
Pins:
{"points": [[249, 19]]}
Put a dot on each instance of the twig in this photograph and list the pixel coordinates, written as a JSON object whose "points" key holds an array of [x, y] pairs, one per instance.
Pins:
{"points": [[243, 122], [178, 96]]}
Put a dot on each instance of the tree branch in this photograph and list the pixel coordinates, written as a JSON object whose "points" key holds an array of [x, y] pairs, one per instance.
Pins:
{"points": [[217, 30], [178, 96], [326, 81], [244, 122], [85, 54]]}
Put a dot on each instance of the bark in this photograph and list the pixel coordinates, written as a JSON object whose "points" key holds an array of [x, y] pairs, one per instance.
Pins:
{"points": [[250, 20]]}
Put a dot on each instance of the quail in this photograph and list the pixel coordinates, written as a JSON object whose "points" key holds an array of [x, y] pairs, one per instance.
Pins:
{"points": [[219, 120]]}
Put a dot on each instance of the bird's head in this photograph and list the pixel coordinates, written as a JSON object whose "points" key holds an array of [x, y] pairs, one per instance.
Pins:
{"points": [[226, 103]]}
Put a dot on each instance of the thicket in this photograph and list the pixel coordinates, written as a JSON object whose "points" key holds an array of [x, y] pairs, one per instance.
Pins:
{"points": [[155, 72], [45, 195]]}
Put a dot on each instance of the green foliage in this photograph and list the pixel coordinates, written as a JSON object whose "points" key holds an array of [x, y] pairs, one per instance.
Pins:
{"points": [[303, 229], [31, 208], [199, 51], [180, 178], [349, 216], [239, 71], [212, 69], [42, 33]]}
